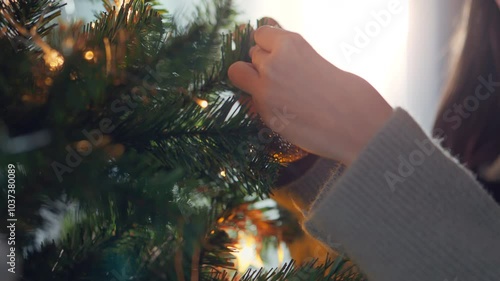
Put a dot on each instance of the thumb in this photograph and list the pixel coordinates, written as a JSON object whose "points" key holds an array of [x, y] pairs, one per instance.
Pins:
{"points": [[244, 76]]}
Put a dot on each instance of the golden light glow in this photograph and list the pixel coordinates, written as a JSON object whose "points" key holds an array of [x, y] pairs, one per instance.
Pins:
{"points": [[281, 253], [204, 104], [223, 173], [48, 81], [247, 255], [119, 4], [83, 147], [89, 55], [201, 103], [53, 59], [92, 25]]}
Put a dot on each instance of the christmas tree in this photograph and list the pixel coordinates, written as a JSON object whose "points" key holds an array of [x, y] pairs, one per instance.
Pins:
{"points": [[128, 135]]}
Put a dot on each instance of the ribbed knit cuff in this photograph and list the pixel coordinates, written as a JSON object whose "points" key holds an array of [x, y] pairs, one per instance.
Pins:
{"points": [[406, 210]]}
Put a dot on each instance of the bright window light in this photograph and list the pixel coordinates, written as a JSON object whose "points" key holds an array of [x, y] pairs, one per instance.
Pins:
{"points": [[366, 37]]}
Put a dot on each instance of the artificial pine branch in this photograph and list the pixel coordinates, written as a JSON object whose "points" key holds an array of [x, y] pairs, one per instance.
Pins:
{"points": [[333, 270], [142, 200], [36, 15]]}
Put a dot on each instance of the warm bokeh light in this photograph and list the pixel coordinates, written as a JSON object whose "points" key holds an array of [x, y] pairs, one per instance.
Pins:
{"points": [[53, 59], [247, 255], [281, 253], [119, 4], [83, 147], [48, 81], [88, 55]]}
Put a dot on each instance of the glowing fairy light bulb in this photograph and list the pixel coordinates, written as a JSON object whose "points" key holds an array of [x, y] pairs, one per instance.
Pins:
{"points": [[201, 103], [53, 59], [204, 104], [223, 173], [88, 55]]}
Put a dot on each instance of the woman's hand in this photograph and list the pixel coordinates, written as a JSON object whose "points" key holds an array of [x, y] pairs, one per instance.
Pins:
{"points": [[307, 100]]}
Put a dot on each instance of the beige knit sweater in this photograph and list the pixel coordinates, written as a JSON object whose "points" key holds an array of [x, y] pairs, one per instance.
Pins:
{"points": [[404, 210]]}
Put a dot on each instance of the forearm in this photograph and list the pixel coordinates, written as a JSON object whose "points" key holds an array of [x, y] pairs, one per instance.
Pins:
{"points": [[406, 210]]}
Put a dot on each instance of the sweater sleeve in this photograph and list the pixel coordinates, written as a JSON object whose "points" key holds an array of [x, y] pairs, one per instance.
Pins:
{"points": [[407, 210], [304, 179]]}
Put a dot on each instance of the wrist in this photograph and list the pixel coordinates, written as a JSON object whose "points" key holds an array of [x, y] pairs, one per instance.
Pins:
{"points": [[363, 136]]}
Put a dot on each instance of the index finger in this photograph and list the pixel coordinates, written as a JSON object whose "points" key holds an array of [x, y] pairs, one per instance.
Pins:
{"points": [[267, 36]]}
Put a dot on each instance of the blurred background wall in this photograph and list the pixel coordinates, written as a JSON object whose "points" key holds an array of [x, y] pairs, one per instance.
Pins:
{"points": [[399, 46], [431, 27]]}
